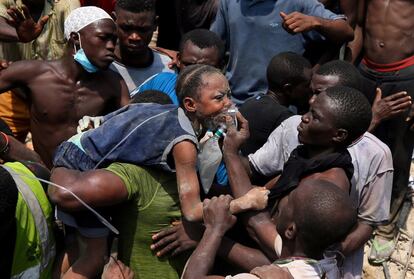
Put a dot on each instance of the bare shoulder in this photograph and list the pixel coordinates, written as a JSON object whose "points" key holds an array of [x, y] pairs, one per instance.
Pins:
{"points": [[112, 79], [336, 176], [185, 152], [36, 66], [26, 71]]}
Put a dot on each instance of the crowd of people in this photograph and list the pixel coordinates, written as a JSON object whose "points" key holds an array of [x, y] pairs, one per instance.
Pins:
{"points": [[203, 139]]}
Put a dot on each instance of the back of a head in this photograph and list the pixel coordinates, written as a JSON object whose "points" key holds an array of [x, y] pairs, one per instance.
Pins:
{"points": [[351, 109], [347, 73], [190, 80], [203, 38], [136, 6], [151, 96], [286, 68], [323, 214], [8, 199]]}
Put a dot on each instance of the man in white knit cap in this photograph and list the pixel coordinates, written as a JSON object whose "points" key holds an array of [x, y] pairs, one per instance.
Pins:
{"points": [[63, 91]]}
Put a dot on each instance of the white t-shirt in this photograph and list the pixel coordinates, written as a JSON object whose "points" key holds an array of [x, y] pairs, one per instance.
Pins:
{"points": [[371, 183], [301, 269], [135, 76]]}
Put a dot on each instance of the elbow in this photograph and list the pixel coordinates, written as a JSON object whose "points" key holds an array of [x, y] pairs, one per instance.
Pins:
{"points": [[190, 216], [349, 34], [62, 198]]}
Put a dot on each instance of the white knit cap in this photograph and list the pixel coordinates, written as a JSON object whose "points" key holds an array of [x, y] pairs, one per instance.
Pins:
{"points": [[81, 17]]}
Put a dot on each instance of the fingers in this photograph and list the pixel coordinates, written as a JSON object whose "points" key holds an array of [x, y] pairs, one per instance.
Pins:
{"points": [[83, 123], [398, 103], [402, 104], [296, 22], [163, 242], [178, 251], [4, 64], [15, 14], [97, 121], [411, 117], [226, 199], [243, 123], [126, 272], [396, 96], [26, 12], [43, 21], [206, 202], [168, 249], [378, 95]]}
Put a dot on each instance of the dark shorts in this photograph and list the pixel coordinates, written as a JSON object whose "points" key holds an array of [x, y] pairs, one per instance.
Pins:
{"points": [[70, 156]]}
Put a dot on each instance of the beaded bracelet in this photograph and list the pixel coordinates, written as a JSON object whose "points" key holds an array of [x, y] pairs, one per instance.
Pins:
{"points": [[6, 146]]}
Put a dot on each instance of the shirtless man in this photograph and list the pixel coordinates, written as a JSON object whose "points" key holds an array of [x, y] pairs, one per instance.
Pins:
{"points": [[62, 91], [388, 49], [306, 226]]}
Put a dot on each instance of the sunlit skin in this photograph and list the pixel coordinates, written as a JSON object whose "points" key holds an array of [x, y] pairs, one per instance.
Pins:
{"points": [[320, 83], [388, 30], [317, 126], [61, 92], [134, 34]]}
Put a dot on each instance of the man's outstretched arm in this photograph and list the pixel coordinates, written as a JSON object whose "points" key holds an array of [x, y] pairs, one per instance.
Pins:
{"points": [[97, 188], [18, 74], [259, 224], [217, 219]]}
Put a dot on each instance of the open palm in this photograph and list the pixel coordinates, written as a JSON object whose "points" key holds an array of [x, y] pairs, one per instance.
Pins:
{"points": [[26, 28]]}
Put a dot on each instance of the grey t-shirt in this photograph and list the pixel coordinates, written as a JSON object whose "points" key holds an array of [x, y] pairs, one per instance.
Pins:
{"points": [[135, 76]]}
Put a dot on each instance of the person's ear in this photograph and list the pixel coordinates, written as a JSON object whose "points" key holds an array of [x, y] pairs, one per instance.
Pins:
{"points": [[113, 14], [340, 136], [287, 88], [189, 104], [74, 37], [291, 231], [178, 63]]}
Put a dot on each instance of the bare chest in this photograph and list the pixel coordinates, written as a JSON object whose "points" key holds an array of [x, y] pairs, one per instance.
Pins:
{"points": [[63, 101]]}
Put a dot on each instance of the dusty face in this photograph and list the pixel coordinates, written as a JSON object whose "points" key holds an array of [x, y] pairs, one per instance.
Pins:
{"points": [[135, 30], [192, 55], [213, 99], [98, 41], [317, 127], [320, 83]]}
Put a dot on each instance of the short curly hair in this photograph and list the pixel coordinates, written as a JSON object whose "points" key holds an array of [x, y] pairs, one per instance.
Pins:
{"points": [[136, 6], [203, 38], [351, 109], [347, 73]]}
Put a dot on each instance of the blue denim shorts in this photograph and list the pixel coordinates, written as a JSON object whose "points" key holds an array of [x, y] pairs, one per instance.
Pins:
{"points": [[69, 155]]}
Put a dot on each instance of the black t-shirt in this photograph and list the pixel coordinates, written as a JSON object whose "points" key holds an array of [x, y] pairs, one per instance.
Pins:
{"points": [[264, 115], [5, 128]]}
